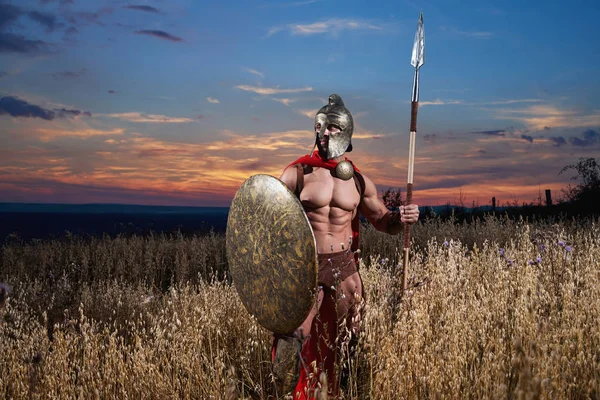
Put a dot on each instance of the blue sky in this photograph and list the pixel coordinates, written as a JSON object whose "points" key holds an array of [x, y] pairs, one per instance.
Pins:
{"points": [[177, 102]]}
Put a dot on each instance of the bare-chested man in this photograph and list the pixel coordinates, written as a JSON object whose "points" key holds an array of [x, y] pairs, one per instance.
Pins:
{"points": [[329, 187]]}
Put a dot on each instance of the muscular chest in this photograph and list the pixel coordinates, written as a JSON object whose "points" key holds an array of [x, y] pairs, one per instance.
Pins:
{"points": [[321, 189]]}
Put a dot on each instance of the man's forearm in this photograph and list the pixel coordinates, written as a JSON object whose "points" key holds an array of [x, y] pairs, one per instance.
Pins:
{"points": [[393, 225]]}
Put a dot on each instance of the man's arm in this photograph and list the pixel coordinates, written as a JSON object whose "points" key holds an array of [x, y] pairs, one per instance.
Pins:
{"points": [[289, 177], [384, 220]]}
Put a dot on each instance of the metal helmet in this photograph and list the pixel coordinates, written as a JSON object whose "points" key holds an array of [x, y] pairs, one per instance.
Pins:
{"points": [[337, 114]]}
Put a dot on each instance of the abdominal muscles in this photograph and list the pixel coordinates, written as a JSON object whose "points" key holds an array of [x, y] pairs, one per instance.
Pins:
{"points": [[330, 206]]}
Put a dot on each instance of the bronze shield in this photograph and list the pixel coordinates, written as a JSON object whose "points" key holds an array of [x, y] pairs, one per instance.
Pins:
{"points": [[272, 254]]}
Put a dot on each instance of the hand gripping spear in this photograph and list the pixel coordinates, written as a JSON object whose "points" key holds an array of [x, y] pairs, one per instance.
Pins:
{"points": [[417, 60]]}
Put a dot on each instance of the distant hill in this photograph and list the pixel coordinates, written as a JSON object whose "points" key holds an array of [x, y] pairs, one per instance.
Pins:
{"points": [[107, 209], [44, 221]]}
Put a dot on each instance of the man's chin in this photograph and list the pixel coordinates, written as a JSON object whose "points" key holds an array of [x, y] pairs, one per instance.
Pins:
{"points": [[322, 153]]}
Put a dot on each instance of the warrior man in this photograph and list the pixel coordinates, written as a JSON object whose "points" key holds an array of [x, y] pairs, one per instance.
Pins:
{"points": [[332, 192]]}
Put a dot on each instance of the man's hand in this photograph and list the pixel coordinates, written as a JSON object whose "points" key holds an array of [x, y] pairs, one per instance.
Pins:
{"points": [[409, 214]]}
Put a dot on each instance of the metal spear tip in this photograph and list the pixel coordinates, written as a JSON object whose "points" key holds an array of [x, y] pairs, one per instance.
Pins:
{"points": [[418, 51]]}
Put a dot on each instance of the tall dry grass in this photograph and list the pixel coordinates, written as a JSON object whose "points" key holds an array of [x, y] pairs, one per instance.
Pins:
{"points": [[508, 309]]}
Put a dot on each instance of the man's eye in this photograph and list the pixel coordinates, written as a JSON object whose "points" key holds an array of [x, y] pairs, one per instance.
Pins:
{"points": [[318, 126]]}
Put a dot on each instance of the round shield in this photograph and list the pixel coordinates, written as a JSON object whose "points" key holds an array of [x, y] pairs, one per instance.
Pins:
{"points": [[272, 254]]}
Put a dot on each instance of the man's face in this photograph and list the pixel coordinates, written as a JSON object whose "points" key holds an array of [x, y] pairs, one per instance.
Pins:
{"points": [[323, 141]]}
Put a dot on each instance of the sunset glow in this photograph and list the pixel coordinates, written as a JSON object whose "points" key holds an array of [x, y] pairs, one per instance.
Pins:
{"points": [[177, 103]]}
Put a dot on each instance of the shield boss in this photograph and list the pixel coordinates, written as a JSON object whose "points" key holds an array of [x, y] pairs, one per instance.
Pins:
{"points": [[272, 254]]}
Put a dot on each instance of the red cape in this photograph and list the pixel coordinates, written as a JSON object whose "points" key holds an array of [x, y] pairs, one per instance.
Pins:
{"points": [[317, 161]]}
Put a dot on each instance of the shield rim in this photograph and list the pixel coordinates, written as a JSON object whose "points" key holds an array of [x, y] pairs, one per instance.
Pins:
{"points": [[315, 262]]}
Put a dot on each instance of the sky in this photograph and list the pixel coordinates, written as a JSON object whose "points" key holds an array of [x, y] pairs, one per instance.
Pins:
{"points": [[178, 102]]}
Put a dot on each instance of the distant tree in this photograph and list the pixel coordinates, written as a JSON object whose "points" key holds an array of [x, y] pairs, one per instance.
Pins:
{"points": [[461, 201], [392, 198], [538, 201], [588, 173]]}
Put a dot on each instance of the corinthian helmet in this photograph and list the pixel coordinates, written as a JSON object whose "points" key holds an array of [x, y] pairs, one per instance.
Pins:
{"points": [[335, 113]]}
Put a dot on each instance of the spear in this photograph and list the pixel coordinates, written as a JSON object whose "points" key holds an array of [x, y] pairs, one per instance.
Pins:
{"points": [[417, 60]]}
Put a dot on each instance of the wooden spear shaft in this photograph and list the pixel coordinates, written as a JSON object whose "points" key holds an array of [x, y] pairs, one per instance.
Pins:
{"points": [[417, 60], [414, 107]]}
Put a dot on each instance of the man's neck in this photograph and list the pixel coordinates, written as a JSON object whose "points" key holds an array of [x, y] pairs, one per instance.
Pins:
{"points": [[336, 159]]}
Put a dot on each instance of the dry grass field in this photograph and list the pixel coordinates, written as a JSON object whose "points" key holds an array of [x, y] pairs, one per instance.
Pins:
{"points": [[501, 309]]}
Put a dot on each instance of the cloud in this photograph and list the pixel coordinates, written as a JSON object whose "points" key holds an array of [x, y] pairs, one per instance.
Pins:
{"points": [[438, 102], [19, 108], [143, 8], [160, 34], [558, 141], [453, 90], [15, 107], [47, 20], [474, 153], [471, 34], [13, 43], [430, 138], [69, 74], [527, 138], [212, 100], [47, 135], [267, 141], [498, 132], [129, 169], [10, 43], [284, 101], [270, 91], [514, 101], [308, 113], [293, 4], [8, 14], [63, 113], [87, 17], [332, 26], [71, 31], [63, 2], [541, 117], [300, 3], [255, 72], [162, 98], [590, 138], [151, 118], [303, 3], [3, 74], [367, 135]]}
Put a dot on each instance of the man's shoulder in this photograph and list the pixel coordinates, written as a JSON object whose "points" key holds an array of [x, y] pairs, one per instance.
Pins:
{"points": [[362, 176], [367, 183]]}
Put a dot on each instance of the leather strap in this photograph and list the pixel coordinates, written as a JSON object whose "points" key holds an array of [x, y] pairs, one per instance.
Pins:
{"points": [[359, 181]]}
